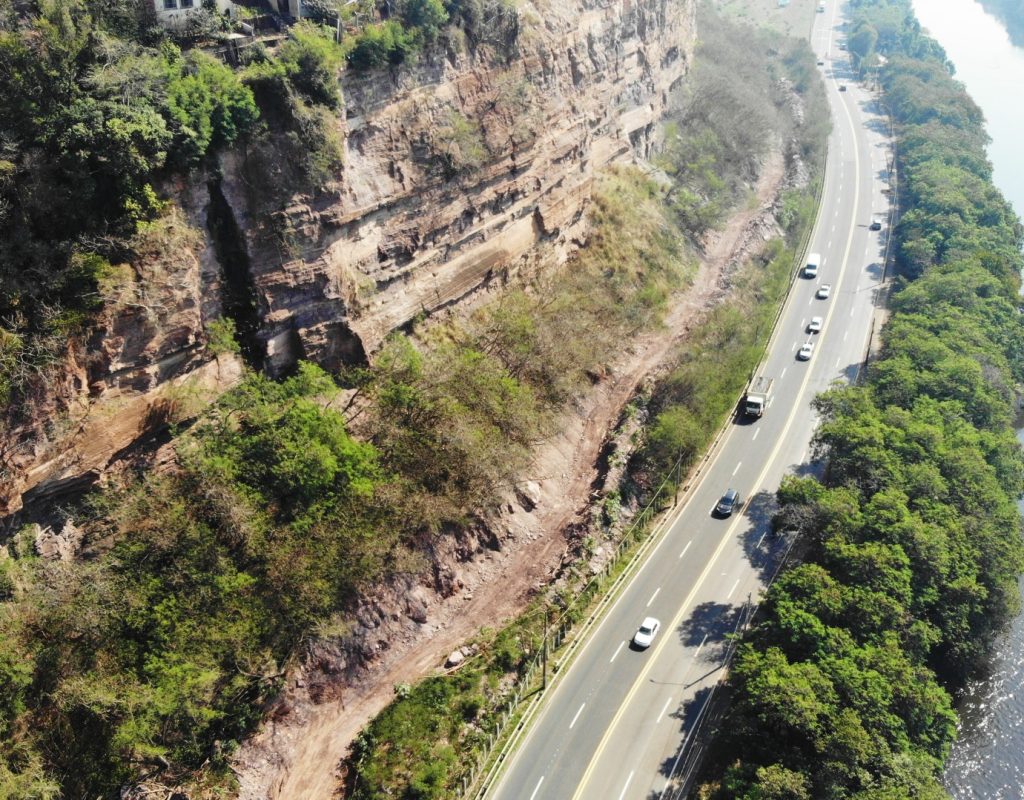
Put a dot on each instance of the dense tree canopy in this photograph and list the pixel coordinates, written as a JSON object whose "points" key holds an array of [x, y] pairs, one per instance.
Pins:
{"points": [[911, 544]]}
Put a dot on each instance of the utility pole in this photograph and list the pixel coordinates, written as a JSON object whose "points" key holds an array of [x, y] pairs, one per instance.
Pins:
{"points": [[679, 478], [544, 679]]}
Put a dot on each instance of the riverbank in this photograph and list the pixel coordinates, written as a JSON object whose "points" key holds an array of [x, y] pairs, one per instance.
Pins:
{"points": [[985, 761], [910, 543]]}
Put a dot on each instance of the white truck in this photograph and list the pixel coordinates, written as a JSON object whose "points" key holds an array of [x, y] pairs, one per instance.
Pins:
{"points": [[758, 393], [811, 267]]}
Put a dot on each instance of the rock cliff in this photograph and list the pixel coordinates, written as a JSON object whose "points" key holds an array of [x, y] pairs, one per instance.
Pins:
{"points": [[455, 169]]}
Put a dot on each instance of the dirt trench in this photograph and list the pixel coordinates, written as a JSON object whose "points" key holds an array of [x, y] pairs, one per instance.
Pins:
{"points": [[298, 751]]}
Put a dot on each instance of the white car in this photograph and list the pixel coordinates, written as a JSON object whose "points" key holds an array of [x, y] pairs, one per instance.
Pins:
{"points": [[814, 326], [804, 353], [824, 291], [646, 633]]}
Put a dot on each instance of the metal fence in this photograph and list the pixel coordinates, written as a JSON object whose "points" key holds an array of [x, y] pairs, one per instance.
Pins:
{"points": [[486, 765]]}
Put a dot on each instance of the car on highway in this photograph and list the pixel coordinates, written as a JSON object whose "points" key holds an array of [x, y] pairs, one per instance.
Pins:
{"points": [[824, 291], [646, 632], [876, 223], [821, 62], [814, 326], [728, 503], [804, 353], [842, 87]]}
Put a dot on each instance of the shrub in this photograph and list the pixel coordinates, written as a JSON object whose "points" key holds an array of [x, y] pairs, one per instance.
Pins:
{"points": [[382, 44], [311, 60]]}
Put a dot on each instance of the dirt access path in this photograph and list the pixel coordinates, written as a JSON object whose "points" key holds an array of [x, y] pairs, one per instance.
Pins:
{"points": [[298, 755]]}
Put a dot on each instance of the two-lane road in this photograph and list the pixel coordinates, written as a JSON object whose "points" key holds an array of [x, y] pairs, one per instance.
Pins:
{"points": [[615, 721]]}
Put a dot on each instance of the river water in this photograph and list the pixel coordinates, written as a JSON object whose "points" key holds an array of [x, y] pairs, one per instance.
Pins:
{"points": [[987, 762]]}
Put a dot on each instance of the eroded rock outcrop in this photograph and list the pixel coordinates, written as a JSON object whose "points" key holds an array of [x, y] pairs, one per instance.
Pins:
{"points": [[456, 169], [144, 363]]}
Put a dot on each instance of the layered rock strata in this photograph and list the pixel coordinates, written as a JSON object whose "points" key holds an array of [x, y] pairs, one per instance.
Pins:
{"points": [[455, 169]]}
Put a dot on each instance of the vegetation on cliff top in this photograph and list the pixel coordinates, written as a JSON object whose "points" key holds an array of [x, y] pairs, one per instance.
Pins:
{"points": [[102, 107], [911, 544], [99, 108]]}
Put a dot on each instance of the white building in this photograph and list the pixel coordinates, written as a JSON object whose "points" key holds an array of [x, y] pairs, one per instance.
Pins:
{"points": [[174, 13]]}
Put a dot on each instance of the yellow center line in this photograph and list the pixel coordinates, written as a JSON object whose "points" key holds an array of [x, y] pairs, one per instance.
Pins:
{"points": [[795, 407]]}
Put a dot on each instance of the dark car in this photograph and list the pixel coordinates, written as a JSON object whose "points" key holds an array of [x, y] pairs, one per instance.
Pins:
{"points": [[842, 87], [728, 503], [876, 223]]}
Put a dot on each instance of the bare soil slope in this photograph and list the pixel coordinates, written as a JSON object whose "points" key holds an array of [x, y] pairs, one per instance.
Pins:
{"points": [[298, 752]]}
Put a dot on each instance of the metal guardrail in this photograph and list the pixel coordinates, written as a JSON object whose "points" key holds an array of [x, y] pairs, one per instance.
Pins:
{"points": [[684, 769], [486, 768]]}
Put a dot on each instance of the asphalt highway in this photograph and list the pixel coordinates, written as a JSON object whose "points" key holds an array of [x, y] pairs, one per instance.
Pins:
{"points": [[615, 722]]}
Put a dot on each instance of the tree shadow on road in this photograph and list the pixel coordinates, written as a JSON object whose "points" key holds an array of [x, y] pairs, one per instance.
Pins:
{"points": [[708, 624], [758, 540], [686, 717]]}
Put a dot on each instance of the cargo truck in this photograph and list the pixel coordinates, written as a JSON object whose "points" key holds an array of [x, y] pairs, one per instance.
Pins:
{"points": [[759, 392]]}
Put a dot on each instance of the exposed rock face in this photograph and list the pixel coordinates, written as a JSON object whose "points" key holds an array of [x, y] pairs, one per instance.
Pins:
{"points": [[144, 362], [455, 170]]}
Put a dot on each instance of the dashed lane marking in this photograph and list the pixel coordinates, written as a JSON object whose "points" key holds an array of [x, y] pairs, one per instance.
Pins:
{"points": [[628, 781]]}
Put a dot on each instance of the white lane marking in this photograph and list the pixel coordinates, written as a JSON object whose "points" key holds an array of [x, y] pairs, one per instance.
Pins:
{"points": [[538, 787], [617, 649], [852, 310], [758, 544], [830, 241], [845, 334], [727, 534], [803, 323], [699, 648], [577, 716], [783, 374], [737, 468], [653, 596], [628, 781], [755, 434], [733, 589], [667, 702], [838, 360], [686, 548]]}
